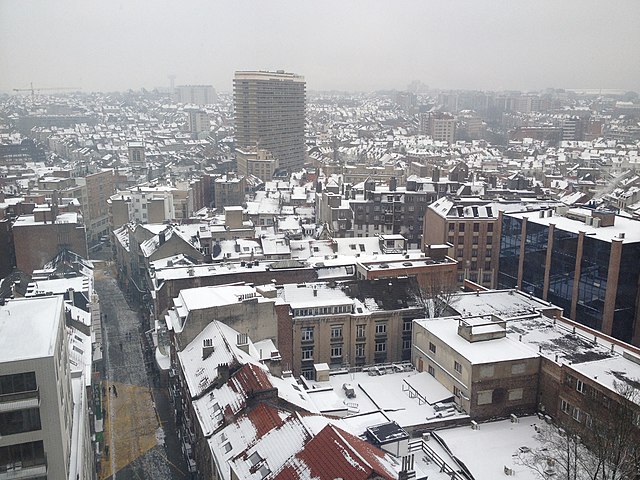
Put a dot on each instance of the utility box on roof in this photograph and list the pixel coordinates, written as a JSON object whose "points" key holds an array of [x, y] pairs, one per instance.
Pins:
{"points": [[322, 372]]}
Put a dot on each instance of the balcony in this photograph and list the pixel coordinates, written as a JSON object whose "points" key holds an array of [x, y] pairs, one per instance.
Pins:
{"points": [[10, 397], [17, 470], [19, 401]]}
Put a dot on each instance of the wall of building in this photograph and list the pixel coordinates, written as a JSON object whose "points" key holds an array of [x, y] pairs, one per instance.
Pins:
{"points": [[36, 244]]}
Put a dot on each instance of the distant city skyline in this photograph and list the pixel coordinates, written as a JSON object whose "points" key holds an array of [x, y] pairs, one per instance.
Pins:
{"points": [[346, 46]]}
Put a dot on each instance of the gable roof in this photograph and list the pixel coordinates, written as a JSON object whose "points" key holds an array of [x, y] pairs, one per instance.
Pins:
{"points": [[334, 453]]}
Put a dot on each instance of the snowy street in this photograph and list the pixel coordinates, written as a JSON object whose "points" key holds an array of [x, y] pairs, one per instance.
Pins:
{"points": [[139, 429]]}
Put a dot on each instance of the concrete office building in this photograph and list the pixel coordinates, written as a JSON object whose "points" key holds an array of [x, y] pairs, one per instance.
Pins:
{"points": [[257, 162], [585, 261], [270, 114], [198, 94], [36, 404]]}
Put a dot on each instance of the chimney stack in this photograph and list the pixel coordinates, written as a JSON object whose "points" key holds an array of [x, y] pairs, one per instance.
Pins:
{"points": [[207, 348]]}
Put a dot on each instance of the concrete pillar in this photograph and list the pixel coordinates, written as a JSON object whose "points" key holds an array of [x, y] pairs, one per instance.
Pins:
{"points": [[613, 273], [523, 235], [547, 261], [576, 276], [495, 252]]}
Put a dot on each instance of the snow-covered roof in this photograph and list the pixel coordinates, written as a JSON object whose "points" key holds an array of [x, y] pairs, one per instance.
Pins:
{"points": [[504, 303], [28, 327], [630, 229], [490, 351]]}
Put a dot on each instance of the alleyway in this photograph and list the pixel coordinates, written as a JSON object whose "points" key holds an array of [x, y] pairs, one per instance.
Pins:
{"points": [[139, 429]]}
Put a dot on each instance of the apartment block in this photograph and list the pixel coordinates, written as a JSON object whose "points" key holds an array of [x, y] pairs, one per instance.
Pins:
{"points": [[269, 112]]}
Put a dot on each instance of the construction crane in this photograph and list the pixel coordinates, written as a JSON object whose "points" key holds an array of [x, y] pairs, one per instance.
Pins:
{"points": [[34, 90]]}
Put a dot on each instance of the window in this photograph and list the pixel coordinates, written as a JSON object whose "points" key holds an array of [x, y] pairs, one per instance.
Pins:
{"points": [[456, 391], [406, 343], [406, 325], [487, 371], [485, 397], [336, 351], [580, 386], [516, 394], [307, 373], [564, 406], [336, 331], [307, 353], [381, 328], [432, 347], [431, 370], [518, 368], [18, 382], [23, 454], [489, 227], [19, 421], [457, 367], [381, 346], [576, 414], [452, 227], [359, 349], [360, 331], [476, 227], [461, 227], [588, 421], [307, 334]]}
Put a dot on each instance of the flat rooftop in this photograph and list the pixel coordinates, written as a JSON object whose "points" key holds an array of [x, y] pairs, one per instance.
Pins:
{"points": [[405, 396], [503, 303], [488, 351], [627, 226], [28, 327]]}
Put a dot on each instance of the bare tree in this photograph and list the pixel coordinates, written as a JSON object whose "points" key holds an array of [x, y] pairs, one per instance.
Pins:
{"points": [[437, 290], [603, 447]]}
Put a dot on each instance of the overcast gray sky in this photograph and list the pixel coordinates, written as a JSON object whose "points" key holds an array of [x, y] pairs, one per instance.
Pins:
{"points": [[335, 44]]}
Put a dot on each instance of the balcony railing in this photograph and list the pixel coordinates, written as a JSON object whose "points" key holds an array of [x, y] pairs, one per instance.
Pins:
{"points": [[12, 397]]}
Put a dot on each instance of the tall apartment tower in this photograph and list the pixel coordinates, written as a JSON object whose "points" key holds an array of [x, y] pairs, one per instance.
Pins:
{"points": [[270, 114]]}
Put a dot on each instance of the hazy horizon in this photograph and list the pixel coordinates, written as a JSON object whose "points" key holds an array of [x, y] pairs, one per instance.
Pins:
{"points": [[336, 45]]}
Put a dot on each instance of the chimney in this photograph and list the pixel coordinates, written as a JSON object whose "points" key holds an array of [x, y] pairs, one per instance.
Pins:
{"points": [[274, 363], [162, 237], [393, 184], [70, 291], [207, 348]]}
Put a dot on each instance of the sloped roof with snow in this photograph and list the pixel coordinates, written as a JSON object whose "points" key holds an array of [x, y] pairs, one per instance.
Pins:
{"points": [[334, 453]]}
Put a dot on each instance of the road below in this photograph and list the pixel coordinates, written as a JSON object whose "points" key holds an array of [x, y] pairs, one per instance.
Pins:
{"points": [[139, 428]]}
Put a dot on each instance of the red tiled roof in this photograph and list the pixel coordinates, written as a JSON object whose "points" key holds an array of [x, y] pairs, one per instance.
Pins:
{"points": [[250, 378], [334, 453], [265, 418]]}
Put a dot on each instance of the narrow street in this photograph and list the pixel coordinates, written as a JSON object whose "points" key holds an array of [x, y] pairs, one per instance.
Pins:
{"points": [[140, 434]]}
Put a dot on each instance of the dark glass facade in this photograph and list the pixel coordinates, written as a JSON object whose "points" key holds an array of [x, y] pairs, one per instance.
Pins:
{"points": [[509, 252], [563, 267], [593, 279], [627, 294], [535, 254], [594, 270]]}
